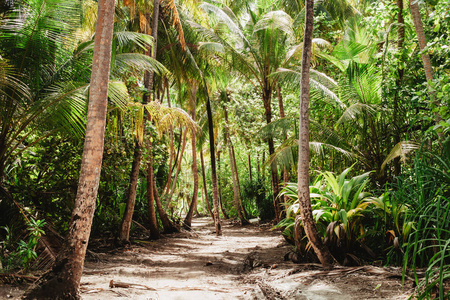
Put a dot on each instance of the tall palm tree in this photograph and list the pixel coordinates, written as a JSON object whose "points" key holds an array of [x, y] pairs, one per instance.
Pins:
{"points": [[306, 215], [254, 50], [64, 279]]}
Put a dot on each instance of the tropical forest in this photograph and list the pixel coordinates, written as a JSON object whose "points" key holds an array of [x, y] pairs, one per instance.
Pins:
{"points": [[219, 149]]}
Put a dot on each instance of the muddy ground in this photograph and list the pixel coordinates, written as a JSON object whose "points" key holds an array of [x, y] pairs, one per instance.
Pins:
{"points": [[245, 263]]}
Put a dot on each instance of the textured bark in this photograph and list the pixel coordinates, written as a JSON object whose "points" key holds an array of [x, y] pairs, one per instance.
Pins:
{"points": [[204, 185], [63, 281], [217, 224], [193, 205], [124, 235], [153, 222], [418, 25], [307, 219]]}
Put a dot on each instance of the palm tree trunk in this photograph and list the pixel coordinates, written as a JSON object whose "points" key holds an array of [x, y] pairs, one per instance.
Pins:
{"points": [[124, 235], [177, 172], [213, 165], [249, 159], [168, 226], [306, 216], [134, 176], [153, 222], [418, 25], [193, 206], [401, 38], [283, 115], [204, 185], [236, 192], [169, 176], [63, 281], [238, 183], [219, 185], [267, 96]]}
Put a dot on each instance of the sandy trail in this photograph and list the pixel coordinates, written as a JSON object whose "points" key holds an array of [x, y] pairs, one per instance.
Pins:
{"points": [[244, 263]]}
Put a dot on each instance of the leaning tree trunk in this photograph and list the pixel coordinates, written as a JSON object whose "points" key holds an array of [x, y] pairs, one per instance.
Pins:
{"points": [[213, 165], [124, 235], [306, 215], [418, 25], [168, 226], [63, 281], [193, 206], [134, 177]]}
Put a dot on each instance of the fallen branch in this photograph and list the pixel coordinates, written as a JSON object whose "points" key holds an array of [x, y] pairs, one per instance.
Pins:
{"points": [[126, 285]]}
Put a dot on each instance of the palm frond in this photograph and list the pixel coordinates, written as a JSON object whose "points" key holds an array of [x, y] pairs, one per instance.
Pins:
{"points": [[399, 150], [353, 111], [275, 20]]}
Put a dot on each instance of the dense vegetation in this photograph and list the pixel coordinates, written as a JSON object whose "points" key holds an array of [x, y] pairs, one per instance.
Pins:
{"points": [[213, 92]]}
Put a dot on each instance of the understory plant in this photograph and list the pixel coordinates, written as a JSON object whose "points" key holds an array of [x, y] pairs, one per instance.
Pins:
{"points": [[426, 191], [339, 207]]}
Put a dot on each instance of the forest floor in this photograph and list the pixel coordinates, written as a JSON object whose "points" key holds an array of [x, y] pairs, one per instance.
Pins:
{"points": [[245, 263]]}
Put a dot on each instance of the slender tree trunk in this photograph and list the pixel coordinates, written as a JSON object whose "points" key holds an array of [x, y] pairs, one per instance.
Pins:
{"points": [[306, 215], [63, 281], [283, 115], [134, 176], [238, 183], [168, 226], [193, 206], [418, 25], [213, 165], [236, 192], [249, 167], [177, 172], [204, 185], [401, 38], [153, 222], [132, 190], [169, 176], [219, 185], [148, 82], [267, 97]]}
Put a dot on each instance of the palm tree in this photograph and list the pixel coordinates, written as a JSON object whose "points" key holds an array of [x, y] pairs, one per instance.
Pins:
{"points": [[64, 280], [306, 215], [254, 50]]}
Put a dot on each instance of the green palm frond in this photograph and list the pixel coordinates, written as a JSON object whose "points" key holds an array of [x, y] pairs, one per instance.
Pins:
{"points": [[354, 111], [125, 39], [275, 20], [225, 18], [136, 63]]}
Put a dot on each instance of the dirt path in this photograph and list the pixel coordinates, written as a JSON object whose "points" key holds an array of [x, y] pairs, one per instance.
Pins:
{"points": [[244, 263]]}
